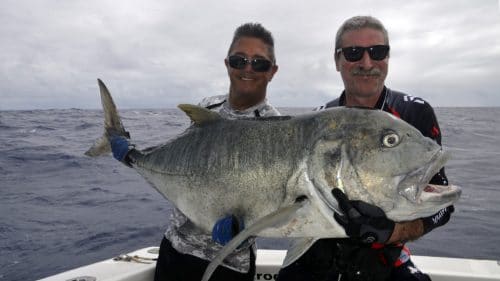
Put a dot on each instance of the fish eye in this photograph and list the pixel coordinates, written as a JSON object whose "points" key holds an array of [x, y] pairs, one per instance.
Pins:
{"points": [[390, 140]]}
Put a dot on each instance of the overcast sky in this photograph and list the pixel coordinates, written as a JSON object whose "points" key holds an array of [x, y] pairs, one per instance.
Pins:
{"points": [[159, 53]]}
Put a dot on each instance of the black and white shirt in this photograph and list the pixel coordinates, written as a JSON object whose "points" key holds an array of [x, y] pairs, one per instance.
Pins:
{"points": [[185, 237]]}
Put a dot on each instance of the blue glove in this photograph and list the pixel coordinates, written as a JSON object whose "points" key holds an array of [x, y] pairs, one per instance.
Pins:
{"points": [[226, 228], [120, 147], [363, 221], [438, 219]]}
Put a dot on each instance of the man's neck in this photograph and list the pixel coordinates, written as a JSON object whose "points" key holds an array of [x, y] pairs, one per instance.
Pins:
{"points": [[363, 101], [242, 103]]}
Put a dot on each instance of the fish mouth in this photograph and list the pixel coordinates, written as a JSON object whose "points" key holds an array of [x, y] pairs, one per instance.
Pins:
{"points": [[436, 193], [414, 186]]}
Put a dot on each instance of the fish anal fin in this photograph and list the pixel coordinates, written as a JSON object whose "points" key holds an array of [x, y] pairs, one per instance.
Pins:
{"points": [[298, 247]]}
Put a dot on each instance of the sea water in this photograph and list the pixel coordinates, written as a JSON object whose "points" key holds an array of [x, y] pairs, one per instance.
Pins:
{"points": [[60, 209]]}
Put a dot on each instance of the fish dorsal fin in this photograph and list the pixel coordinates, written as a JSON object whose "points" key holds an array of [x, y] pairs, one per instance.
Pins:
{"points": [[199, 115]]}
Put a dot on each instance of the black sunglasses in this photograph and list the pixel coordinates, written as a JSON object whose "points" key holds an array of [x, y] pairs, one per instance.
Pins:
{"points": [[355, 53], [258, 64]]}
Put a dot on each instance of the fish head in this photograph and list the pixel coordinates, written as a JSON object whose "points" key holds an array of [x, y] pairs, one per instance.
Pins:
{"points": [[379, 159]]}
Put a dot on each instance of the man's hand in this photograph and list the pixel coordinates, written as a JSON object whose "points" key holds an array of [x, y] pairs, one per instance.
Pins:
{"points": [[226, 228], [362, 220], [120, 147]]}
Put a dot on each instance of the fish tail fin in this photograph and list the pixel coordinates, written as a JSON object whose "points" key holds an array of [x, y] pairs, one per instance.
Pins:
{"points": [[112, 124]]}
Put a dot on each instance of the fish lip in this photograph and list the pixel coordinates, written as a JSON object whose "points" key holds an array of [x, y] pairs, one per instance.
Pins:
{"points": [[437, 192], [413, 192]]}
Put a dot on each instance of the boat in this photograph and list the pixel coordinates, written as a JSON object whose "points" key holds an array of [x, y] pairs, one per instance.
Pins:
{"points": [[140, 265]]}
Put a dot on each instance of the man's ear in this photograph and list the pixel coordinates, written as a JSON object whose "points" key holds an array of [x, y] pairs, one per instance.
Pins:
{"points": [[274, 69], [336, 58]]}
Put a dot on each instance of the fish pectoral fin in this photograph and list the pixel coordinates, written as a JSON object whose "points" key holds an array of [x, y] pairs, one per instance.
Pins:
{"points": [[199, 115], [298, 247], [275, 218]]}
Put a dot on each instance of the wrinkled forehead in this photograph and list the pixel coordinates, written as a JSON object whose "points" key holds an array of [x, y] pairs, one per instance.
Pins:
{"points": [[251, 47], [351, 37]]}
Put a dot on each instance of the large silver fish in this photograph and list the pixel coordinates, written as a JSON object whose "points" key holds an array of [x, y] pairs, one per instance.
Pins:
{"points": [[277, 173]]}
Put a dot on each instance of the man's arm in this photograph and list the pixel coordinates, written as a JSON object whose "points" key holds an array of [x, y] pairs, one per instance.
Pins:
{"points": [[412, 230], [368, 223], [406, 231]]}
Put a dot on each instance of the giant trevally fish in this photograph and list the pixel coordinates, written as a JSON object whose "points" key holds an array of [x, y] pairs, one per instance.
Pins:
{"points": [[277, 173]]}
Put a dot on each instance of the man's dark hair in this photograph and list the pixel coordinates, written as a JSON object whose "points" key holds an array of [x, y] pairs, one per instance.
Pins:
{"points": [[255, 30]]}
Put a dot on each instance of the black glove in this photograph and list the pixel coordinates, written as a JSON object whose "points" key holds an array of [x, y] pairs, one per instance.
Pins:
{"points": [[363, 221], [120, 146], [438, 219], [226, 229], [361, 262]]}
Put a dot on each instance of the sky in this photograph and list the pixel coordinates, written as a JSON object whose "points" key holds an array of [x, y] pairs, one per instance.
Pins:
{"points": [[159, 53]]}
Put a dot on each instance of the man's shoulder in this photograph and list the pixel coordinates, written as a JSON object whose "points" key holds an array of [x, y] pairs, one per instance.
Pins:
{"points": [[208, 101], [332, 103], [264, 109], [268, 110], [398, 99]]}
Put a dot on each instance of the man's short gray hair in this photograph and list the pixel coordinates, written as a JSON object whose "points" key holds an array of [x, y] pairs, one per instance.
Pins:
{"points": [[359, 22]]}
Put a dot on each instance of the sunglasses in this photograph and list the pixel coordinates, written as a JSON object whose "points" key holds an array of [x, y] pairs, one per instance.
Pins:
{"points": [[258, 64], [355, 53]]}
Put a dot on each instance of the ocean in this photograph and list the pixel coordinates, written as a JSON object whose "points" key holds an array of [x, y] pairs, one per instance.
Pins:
{"points": [[60, 209]]}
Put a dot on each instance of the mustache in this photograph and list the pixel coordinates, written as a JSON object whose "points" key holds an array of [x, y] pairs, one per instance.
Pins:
{"points": [[363, 72]]}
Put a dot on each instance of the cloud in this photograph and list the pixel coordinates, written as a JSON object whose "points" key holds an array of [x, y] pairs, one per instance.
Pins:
{"points": [[161, 53]]}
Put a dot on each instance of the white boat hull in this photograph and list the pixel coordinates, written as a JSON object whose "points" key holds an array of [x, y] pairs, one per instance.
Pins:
{"points": [[268, 263]]}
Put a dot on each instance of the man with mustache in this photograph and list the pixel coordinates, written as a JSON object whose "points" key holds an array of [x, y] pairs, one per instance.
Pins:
{"points": [[375, 249]]}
